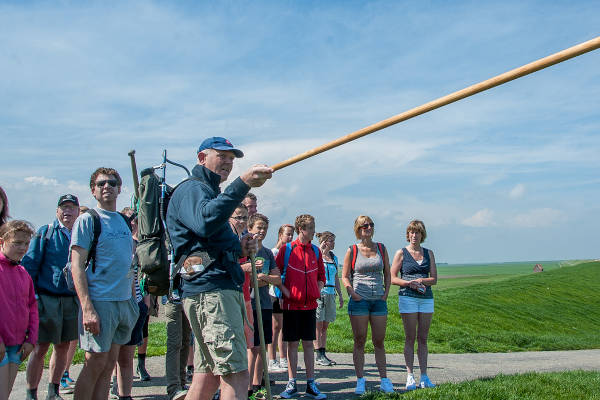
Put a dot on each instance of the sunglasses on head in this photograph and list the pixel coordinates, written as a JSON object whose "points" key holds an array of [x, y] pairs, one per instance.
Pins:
{"points": [[367, 225], [111, 182]]}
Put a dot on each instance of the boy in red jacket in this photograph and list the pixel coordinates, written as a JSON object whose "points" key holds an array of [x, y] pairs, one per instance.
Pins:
{"points": [[303, 278]]}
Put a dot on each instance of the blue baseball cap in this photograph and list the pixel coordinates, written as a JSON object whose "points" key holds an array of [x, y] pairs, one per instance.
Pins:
{"points": [[219, 143]]}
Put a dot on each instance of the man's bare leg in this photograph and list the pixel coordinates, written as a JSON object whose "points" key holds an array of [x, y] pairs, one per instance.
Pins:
{"points": [[95, 365], [204, 385], [35, 365], [125, 370], [309, 358], [103, 383], [233, 386], [292, 354]]}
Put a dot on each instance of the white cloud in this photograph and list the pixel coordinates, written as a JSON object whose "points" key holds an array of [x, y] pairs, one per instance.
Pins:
{"points": [[537, 218], [41, 180], [517, 191], [480, 219]]}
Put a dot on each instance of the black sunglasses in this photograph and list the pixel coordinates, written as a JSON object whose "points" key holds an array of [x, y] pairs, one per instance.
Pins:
{"points": [[367, 225], [111, 182]]}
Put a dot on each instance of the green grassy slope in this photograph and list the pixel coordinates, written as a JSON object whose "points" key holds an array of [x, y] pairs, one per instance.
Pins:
{"points": [[532, 386], [553, 310]]}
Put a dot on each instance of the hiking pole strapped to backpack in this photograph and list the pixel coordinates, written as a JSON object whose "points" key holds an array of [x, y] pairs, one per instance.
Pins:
{"points": [[154, 250]]}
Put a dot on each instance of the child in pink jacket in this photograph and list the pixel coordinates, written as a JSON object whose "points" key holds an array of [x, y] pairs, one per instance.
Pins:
{"points": [[18, 307]]}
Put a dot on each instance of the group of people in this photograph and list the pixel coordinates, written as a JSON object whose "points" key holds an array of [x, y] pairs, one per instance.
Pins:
{"points": [[217, 239]]}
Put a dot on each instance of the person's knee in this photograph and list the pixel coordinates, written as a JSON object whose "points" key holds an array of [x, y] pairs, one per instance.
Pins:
{"points": [[378, 343], [125, 360], [292, 346], [359, 341], [62, 348], [422, 340], [308, 345], [40, 350]]}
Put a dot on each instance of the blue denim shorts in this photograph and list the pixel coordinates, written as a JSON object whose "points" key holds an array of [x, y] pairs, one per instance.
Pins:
{"points": [[367, 307], [13, 355]]}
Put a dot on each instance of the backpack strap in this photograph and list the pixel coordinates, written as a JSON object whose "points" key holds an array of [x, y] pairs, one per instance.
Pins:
{"points": [[127, 221], [334, 258], [381, 248], [316, 250], [286, 260], [353, 255], [45, 240], [96, 224]]}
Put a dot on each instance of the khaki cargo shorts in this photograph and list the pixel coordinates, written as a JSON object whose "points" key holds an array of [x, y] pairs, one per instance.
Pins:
{"points": [[217, 320]]}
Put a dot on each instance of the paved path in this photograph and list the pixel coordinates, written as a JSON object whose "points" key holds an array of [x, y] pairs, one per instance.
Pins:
{"points": [[338, 381]]}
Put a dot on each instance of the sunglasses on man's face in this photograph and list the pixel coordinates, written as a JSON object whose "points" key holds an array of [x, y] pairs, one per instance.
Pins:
{"points": [[368, 225], [111, 182], [240, 218]]}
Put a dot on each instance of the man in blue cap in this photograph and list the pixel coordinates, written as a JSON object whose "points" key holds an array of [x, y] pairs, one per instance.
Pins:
{"points": [[58, 307], [208, 250]]}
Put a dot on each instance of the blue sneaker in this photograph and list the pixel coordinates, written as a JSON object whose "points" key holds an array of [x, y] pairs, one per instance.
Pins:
{"points": [[65, 387], [70, 381], [290, 390]]}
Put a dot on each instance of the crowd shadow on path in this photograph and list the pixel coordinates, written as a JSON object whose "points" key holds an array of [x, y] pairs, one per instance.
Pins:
{"points": [[338, 381]]}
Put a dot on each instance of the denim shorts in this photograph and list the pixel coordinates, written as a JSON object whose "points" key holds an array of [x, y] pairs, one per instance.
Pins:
{"points": [[12, 355], [367, 307], [409, 305]]}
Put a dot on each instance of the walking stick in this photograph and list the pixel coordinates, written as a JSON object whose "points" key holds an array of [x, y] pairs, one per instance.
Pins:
{"points": [[261, 334], [527, 69], [136, 182]]}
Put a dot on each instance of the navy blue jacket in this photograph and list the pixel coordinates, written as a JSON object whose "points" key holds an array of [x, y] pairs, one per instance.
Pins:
{"points": [[197, 219], [46, 270]]}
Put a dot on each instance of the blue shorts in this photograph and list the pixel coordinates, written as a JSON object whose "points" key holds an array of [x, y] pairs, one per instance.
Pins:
{"points": [[367, 307], [137, 334], [409, 305], [13, 355]]}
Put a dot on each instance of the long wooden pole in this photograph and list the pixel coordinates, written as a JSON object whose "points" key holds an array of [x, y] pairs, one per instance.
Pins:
{"points": [[261, 334], [527, 69]]}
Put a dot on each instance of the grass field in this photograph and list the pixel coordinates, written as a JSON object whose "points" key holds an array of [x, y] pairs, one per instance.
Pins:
{"points": [[532, 386], [508, 309], [487, 308]]}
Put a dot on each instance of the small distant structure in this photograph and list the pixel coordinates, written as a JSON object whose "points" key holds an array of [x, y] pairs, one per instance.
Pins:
{"points": [[538, 268]]}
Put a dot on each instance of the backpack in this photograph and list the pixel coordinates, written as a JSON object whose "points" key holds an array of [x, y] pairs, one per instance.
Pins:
{"points": [[354, 253], [153, 249], [335, 261], [91, 257], [286, 260]]}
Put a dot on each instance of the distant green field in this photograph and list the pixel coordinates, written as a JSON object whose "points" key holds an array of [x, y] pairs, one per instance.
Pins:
{"points": [[532, 386], [558, 309]]}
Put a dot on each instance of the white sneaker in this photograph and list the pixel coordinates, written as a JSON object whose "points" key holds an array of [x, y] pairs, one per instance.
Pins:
{"points": [[274, 366], [283, 363], [410, 383], [386, 386], [425, 382], [360, 386]]}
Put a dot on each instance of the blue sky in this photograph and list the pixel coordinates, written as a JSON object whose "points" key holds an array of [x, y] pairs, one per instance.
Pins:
{"points": [[509, 174]]}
